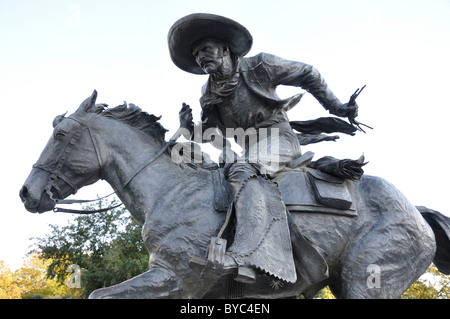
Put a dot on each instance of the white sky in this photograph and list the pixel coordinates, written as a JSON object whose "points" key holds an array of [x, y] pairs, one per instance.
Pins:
{"points": [[53, 54]]}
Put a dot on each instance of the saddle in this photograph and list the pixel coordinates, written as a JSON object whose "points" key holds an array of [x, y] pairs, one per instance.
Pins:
{"points": [[304, 190], [309, 190]]}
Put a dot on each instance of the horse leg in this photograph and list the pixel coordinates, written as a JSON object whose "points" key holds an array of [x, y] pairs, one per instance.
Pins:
{"points": [[394, 245], [154, 283]]}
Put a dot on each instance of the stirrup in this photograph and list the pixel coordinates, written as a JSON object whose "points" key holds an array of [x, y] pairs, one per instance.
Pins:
{"points": [[215, 261], [246, 275], [213, 264]]}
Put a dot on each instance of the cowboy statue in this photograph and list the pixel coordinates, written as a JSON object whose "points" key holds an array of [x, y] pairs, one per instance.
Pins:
{"points": [[240, 93]]}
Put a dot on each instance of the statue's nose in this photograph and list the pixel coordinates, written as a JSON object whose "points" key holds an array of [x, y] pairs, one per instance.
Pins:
{"points": [[200, 56]]}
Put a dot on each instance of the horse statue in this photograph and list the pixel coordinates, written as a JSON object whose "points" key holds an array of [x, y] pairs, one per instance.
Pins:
{"points": [[373, 242]]}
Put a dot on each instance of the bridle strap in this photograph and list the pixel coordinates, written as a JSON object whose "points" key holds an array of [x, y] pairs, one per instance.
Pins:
{"points": [[172, 140], [146, 163], [54, 175], [56, 172], [61, 161], [78, 201], [84, 212]]}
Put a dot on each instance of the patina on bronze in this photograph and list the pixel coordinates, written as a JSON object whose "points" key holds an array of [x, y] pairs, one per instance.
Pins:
{"points": [[181, 208], [282, 225], [240, 93]]}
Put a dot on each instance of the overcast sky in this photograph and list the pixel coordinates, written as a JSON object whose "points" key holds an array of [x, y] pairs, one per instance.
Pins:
{"points": [[55, 53]]}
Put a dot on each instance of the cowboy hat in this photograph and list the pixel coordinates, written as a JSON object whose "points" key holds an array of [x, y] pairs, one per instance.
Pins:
{"points": [[198, 26]]}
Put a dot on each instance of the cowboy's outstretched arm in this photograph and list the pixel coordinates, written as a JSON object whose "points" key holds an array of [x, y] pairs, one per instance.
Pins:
{"points": [[292, 73]]}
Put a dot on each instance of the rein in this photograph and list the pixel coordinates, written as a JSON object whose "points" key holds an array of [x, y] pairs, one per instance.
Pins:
{"points": [[55, 174]]}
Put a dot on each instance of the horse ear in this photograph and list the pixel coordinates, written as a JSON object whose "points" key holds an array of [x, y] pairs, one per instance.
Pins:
{"points": [[58, 119], [88, 105]]}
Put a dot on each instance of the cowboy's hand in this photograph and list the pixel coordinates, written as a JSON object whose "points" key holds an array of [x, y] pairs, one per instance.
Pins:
{"points": [[346, 110], [186, 118]]}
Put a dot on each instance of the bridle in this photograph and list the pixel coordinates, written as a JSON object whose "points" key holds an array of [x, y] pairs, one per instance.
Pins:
{"points": [[55, 173]]}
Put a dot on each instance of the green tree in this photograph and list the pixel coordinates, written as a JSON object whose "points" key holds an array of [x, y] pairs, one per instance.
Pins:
{"points": [[106, 246]]}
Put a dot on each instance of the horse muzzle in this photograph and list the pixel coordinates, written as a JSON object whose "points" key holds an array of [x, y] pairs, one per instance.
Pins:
{"points": [[33, 194], [33, 204]]}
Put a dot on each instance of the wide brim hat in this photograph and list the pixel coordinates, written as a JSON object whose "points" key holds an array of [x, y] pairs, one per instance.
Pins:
{"points": [[198, 26]]}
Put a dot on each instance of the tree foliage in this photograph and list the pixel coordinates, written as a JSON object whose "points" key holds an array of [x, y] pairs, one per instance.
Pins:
{"points": [[106, 246], [432, 285], [30, 281], [33, 282], [9, 288]]}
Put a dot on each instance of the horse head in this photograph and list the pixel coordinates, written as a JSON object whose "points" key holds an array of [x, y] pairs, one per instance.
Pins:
{"points": [[68, 162]]}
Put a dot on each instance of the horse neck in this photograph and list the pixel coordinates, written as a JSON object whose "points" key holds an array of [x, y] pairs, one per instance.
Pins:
{"points": [[123, 150]]}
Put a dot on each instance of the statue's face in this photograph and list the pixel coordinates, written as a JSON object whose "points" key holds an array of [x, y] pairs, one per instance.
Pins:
{"points": [[209, 55]]}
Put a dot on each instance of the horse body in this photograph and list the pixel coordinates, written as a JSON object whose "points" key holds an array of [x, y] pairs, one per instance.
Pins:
{"points": [[377, 254], [384, 236]]}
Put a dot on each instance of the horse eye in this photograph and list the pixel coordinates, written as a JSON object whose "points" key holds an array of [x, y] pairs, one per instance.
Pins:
{"points": [[59, 135]]}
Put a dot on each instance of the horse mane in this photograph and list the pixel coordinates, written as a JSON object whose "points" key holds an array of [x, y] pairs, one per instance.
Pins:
{"points": [[134, 116], [148, 123]]}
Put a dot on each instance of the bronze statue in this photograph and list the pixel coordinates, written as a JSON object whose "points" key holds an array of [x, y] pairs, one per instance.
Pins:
{"points": [[373, 242], [271, 223], [240, 93]]}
